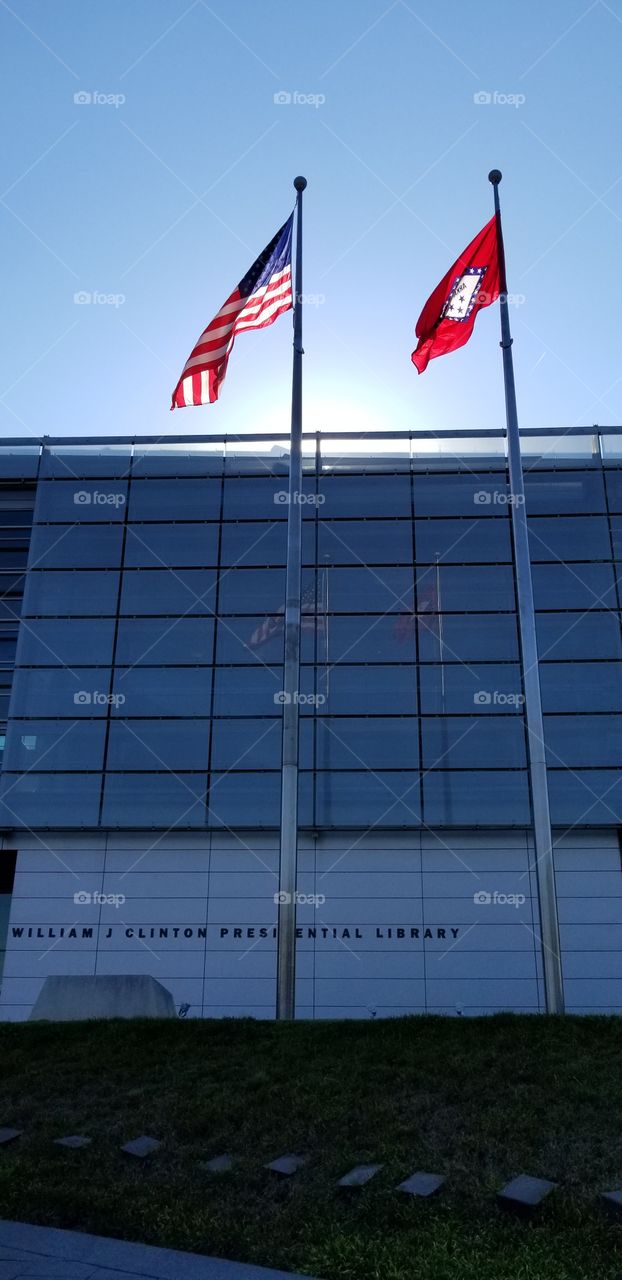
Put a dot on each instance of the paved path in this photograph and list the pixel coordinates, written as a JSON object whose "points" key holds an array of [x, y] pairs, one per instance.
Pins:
{"points": [[49, 1254]]}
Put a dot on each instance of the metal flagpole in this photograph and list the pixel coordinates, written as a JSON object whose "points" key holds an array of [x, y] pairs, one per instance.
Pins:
{"points": [[543, 844], [286, 932]]}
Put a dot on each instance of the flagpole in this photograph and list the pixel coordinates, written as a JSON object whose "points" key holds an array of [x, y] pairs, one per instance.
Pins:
{"points": [[543, 843], [288, 857]]}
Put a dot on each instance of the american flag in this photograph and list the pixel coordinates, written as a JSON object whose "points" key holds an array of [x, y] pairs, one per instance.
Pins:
{"points": [[309, 617], [428, 603], [262, 295]]}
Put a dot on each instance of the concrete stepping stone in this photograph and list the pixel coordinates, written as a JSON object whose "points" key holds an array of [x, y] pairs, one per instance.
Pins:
{"points": [[525, 1194], [359, 1175], [9, 1135], [286, 1165], [141, 1147], [422, 1184], [219, 1164], [611, 1202], [73, 1140]]}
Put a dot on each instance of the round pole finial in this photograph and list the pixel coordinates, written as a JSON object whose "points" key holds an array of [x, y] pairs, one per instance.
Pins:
{"points": [[300, 183], [495, 177]]}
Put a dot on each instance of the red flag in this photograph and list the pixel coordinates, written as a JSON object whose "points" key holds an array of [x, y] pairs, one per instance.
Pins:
{"points": [[473, 281]]}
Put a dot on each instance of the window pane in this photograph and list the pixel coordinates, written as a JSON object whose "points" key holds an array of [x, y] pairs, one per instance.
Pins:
{"points": [[365, 541], [54, 745], [50, 799], [157, 641], [585, 798], [373, 638], [473, 590], [584, 740], [158, 744], [245, 799], [557, 492], [163, 691], [577, 586], [253, 691], [613, 479], [254, 543], [74, 547], [168, 591], [154, 799], [479, 742], [252, 590], [64, 641], [70, 462], [592, 686], [177, 459], [72, 694], [85, 501], [60, 593], [461, 541], [258, 639], [368, 495], [167, 545], [246, 744], [578, 635], [467, 638], [348, 799], [361, 590], [568, 538], [460, 495], [372, 742], [369, 690], [183, 500], [260, 498], [482, 689], [481, 798]]}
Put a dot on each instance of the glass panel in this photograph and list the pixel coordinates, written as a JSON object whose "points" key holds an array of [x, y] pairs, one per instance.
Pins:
{"points": [[172, 591], [65, 641], [154, 799], [461, 541], [585, 798], [74, 461], [68, 501], [565, 538], [167, 545], [367, 742], [464, 637], [482, 689], [349, 799], [592, 686], [577, 586], [256, 542], [57, 593], [258, 639], [361, 590], [366, 495], [616, 532], [613, 480], [250, 691], [263, 497], [19, 460], [185, 500], [162, 691], [460, 495], [578, 635], [557, 492], [53, 745], [245, 799], [62, 546], [584, 740], [365, 542], [50, 799], [247, 744], [72, 694], [469, 589], [482, 799], [158, 744], [158, 641], [13, 557], [187, 458], [379, 690], [373, 638], [569, 449], [252, 590], [479, 742]]}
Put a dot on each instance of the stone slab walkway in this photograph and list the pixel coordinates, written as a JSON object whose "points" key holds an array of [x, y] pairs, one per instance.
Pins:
{"points": [[50, 1254]]}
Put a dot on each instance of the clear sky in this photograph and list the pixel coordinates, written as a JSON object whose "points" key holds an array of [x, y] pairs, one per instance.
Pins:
{"points": [[160, 192]]}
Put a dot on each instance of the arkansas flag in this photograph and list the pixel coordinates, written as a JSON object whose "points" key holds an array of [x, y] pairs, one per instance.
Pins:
{"points": [[262, 295], [474, 281]]}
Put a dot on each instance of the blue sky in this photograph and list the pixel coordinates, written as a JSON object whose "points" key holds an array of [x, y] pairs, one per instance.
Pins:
{"points": [[160, 193]]}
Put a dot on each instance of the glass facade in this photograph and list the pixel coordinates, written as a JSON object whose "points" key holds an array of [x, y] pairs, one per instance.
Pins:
{"points": [[148, 674]]}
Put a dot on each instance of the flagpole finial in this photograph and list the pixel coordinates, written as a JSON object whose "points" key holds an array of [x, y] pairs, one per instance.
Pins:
{"points": [[495, 177], [300, 183]]}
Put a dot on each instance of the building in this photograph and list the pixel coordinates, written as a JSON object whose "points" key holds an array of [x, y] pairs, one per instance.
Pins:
{"points": [[141, 643]]}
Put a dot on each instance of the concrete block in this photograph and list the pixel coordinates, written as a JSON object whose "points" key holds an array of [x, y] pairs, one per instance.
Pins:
{"points": [[359, 1176], [422, 1184], [219, 1164], [9, 1135], [286, 1165], [524, 1194], [74, 1140], [68, 998], [141, 1147]]}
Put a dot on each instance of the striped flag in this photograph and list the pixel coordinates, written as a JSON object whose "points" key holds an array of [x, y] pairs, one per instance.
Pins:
{"points": [[262, 295], [311, 616]]}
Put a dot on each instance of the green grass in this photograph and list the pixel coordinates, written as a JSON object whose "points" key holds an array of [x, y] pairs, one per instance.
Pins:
{"points": [[478, 1100]]}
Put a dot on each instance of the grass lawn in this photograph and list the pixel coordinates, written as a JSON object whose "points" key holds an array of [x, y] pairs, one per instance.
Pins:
{"points": [[478, 1100]]}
